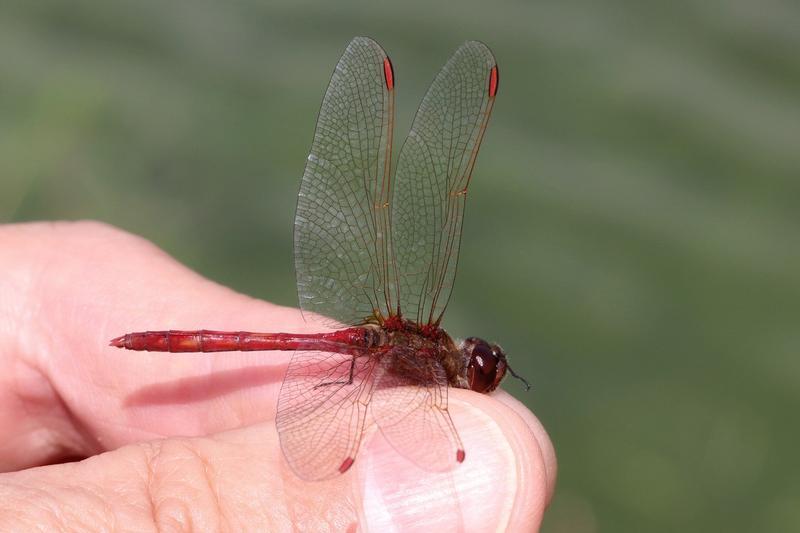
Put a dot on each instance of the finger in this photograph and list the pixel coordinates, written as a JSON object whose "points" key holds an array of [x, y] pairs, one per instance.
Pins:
{"points": [[67, 289], [113, 397], [502, 485], [236, 481], [539, 433]]}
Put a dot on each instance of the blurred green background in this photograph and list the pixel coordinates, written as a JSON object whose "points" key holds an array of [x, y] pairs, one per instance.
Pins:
{"points": [[632, 231]]}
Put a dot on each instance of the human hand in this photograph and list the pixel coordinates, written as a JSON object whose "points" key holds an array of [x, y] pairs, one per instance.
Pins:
{"points": [[188, 441]]}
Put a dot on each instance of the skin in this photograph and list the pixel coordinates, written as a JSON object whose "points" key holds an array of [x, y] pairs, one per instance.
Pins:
{"points": [[184, 441]]}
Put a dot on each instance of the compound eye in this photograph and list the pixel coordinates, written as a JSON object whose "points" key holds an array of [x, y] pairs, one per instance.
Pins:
{"points": [[486, 368]]}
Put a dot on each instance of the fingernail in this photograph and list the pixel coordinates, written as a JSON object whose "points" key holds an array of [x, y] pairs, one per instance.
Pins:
{"points": [[476, 495]]}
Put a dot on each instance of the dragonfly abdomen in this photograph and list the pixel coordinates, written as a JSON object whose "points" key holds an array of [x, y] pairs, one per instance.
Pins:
{"points": [[350, 340]]}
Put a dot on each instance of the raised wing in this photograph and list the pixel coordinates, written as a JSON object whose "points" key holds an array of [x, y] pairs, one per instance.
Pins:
{"points": [[433, 173], [341, 238], [322, 410]]}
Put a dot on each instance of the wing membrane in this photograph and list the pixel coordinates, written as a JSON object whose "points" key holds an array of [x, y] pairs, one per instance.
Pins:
{"points": [[341, 234], [409, 405], [433, 173], [321, 411]]}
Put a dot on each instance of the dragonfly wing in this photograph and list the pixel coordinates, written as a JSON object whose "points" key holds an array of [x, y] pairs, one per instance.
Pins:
{"points": [[322, 410], [341, 238], [433, 173], [409, 405]]}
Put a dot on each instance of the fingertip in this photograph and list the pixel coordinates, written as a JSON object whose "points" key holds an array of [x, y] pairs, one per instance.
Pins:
{"points": [[539, 433], [510, 457], [502, 483]]}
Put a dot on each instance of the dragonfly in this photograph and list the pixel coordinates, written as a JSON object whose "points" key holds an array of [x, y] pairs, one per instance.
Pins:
{"points": [[375, 252]]}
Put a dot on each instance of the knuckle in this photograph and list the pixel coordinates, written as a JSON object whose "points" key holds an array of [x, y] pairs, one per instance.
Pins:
{"points": [[93, 232], [85, 229], [181, 487], [89, 226], [90, 234]]}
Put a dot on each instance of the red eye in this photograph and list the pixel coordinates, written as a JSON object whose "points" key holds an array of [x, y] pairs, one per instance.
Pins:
{"points": [[486, 367]]}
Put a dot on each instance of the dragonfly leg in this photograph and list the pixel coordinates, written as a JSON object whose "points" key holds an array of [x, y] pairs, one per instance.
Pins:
{"points": [[341, 381]]}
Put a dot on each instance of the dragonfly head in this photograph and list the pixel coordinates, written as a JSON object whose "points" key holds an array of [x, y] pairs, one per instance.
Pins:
{"points": [[486, 366]]}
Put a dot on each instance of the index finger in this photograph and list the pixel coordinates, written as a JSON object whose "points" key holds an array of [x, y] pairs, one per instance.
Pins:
{"points": [[89, 283]]}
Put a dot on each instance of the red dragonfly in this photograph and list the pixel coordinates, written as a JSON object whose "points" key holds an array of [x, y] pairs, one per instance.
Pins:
{"points": [[376, 259]]}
